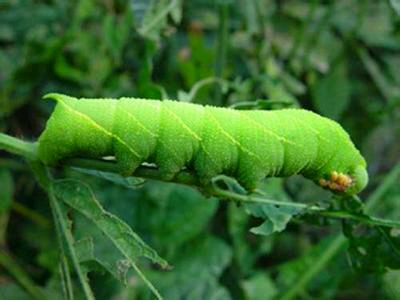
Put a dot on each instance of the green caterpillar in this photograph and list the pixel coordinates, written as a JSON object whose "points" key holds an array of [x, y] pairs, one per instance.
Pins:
{"points": [[247, 145]]}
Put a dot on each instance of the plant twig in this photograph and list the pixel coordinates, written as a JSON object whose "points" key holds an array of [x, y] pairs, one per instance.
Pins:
{"points": [[183, 177], [29, 151], [314, 209], [187, 178], [64, 235], [202, 83], [18, 146]]}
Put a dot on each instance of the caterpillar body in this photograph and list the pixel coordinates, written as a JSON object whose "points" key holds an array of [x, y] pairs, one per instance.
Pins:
{"points": [[247, 145]]}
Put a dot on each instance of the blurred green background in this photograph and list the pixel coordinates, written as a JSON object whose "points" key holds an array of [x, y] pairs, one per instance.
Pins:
{"points": [[338, 58]]}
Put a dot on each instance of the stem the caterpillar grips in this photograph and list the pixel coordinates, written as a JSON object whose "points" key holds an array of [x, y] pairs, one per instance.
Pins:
{"points": [[209, 141]]}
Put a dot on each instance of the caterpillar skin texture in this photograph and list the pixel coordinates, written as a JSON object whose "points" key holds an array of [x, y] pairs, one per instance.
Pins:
{"points": [[247, 145]]}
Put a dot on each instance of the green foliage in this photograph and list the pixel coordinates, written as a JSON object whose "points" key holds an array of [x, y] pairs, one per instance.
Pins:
{"points": [[338, 58], [198, 267], [79, 197]]}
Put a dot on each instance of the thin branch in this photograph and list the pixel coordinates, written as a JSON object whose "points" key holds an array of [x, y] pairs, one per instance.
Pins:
{"points": [[29, 150], [202, 83], [314, 209], [183, 177], [187, 178], [65, 233], [17, 146]]}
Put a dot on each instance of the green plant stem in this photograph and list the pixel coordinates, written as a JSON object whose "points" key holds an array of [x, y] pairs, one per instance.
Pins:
{"points": [[340, 241], [28, 150], [64, 235], [314, 209], [8, 263], [223, 194], [65, 275], [148, 283], [63, 230], [17, 146], [360, 218], [185, 177], [202, 83]]}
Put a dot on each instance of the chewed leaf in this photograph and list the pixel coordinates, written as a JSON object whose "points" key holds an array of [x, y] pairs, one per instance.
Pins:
{"points": [[276, 218], [114, 264], [79, 196]]}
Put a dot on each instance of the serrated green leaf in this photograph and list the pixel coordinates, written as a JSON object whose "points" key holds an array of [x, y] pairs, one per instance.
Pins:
{"points": [[80, 197], [65, 239]]}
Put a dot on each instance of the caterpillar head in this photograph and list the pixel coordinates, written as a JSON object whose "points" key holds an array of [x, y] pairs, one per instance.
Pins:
{"points": [[349, 183]]}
